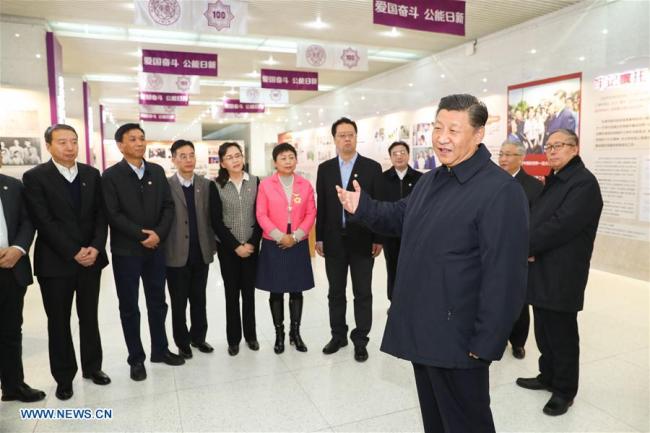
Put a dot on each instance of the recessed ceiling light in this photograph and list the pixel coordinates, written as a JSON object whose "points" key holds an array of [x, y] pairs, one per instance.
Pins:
{"points": [[270, 61], [309, 121], [363, 98], [72, 89], [317, 24], [254, 74], [232, 91], [321, 124], [17, 35], [442, 75], [299, 123], [484, 80], [377, 112], [346, 103], [410, 84], [484, 90], [533, 51], [581, 58], [393, 33], [605, 31], [320, 110], [38, 56]]}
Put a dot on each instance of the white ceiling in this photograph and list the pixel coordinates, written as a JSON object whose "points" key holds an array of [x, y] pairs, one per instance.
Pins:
{"points": [[107, 61]]}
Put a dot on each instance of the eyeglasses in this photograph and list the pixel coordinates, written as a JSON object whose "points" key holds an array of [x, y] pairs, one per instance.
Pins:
{"points": [[186, 157], [233, 157], [347, 135], [508, 155], [550, 147], [399, 152]]}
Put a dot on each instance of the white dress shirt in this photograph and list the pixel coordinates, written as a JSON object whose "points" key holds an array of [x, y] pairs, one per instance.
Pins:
{"points": [[184, 182], [69, 173], [4, 231]]}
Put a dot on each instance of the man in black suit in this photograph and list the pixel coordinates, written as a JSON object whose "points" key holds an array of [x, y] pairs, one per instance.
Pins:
{"points": [[398, 182], [64, 201], [563, 225], [346, 245], [140, 211], [16, 236], [511, 159]]}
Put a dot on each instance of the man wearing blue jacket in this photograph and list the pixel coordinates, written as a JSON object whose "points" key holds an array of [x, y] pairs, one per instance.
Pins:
{"points": [[461, 275]]}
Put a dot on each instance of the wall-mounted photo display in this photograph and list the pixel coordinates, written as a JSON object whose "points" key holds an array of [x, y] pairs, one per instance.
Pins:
{"points": [[538, 108]]}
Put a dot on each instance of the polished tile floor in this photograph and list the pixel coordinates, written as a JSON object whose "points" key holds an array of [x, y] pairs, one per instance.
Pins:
{"points": [[308, 392]]}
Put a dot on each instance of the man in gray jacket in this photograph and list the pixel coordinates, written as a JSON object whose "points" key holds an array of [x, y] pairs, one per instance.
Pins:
{"points": [[189, 250]]}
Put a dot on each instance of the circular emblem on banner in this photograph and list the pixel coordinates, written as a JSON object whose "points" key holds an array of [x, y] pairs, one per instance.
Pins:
{"points": [[219, 15], [154, 82], [350, 58], [183, 83], [253, 94], [164, 12], [275, 95], [316, 55]]}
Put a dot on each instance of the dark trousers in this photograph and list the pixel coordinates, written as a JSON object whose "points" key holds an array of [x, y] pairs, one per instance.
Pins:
{"points": [[519, 333], [280, 296], [238, 278], [391, 253], [336, 267], [558, 341], [128, 270], [57, 296], [188, 283], [11, 322], [454, 400]]}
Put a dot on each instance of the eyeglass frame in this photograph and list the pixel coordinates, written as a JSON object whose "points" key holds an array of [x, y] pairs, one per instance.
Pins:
{"points": [[232, 157], [557, 146]]}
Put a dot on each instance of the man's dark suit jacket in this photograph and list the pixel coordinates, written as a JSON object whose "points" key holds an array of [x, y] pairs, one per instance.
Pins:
{"points": [[532, 187], [563, 224], [19, 227], [329, 211], [132, 204], [62, 231]]}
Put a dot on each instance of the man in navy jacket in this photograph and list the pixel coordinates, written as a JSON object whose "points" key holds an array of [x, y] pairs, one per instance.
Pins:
{"points": [[461, 274]]}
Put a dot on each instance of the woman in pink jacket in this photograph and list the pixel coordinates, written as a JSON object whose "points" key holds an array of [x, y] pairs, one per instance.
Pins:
{"points": [[286, 212]]}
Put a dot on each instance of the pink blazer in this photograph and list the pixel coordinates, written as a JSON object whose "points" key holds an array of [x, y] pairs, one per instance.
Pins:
{"points": [[272, 212]]}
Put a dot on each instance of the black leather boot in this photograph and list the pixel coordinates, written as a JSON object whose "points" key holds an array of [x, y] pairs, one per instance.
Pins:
{"points": [[277, 312], [295, 312]]}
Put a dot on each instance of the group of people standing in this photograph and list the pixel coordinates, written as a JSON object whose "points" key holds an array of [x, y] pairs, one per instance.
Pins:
{"points": [[462, 262]]}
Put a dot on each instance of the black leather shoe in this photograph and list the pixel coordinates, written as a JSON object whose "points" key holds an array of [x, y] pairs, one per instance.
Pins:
{"points": [[169, 359], [531, 383], [557, 405], [64, 391], [98, 377], [24, 393], [360, 354], [518, 352], [138, 372], [185, 352], [253, 345], [203, 347], [334, 345], [233, 350]]}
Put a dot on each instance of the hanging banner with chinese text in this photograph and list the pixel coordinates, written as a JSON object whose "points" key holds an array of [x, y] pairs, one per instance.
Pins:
{"points": [[264, 96], [236, 106], [157, 117], [179, 63], [438, 16], [155, 98], [168, 83], [224, 16], [342, 57], [289, 80]]}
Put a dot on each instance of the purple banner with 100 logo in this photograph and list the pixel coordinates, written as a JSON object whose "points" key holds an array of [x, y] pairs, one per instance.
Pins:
{"points": [[290, 80], [439, 16], [179, 63]]}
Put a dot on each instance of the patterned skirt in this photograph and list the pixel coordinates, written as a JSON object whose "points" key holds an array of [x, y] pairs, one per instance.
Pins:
{"points": [[284, 271]]}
